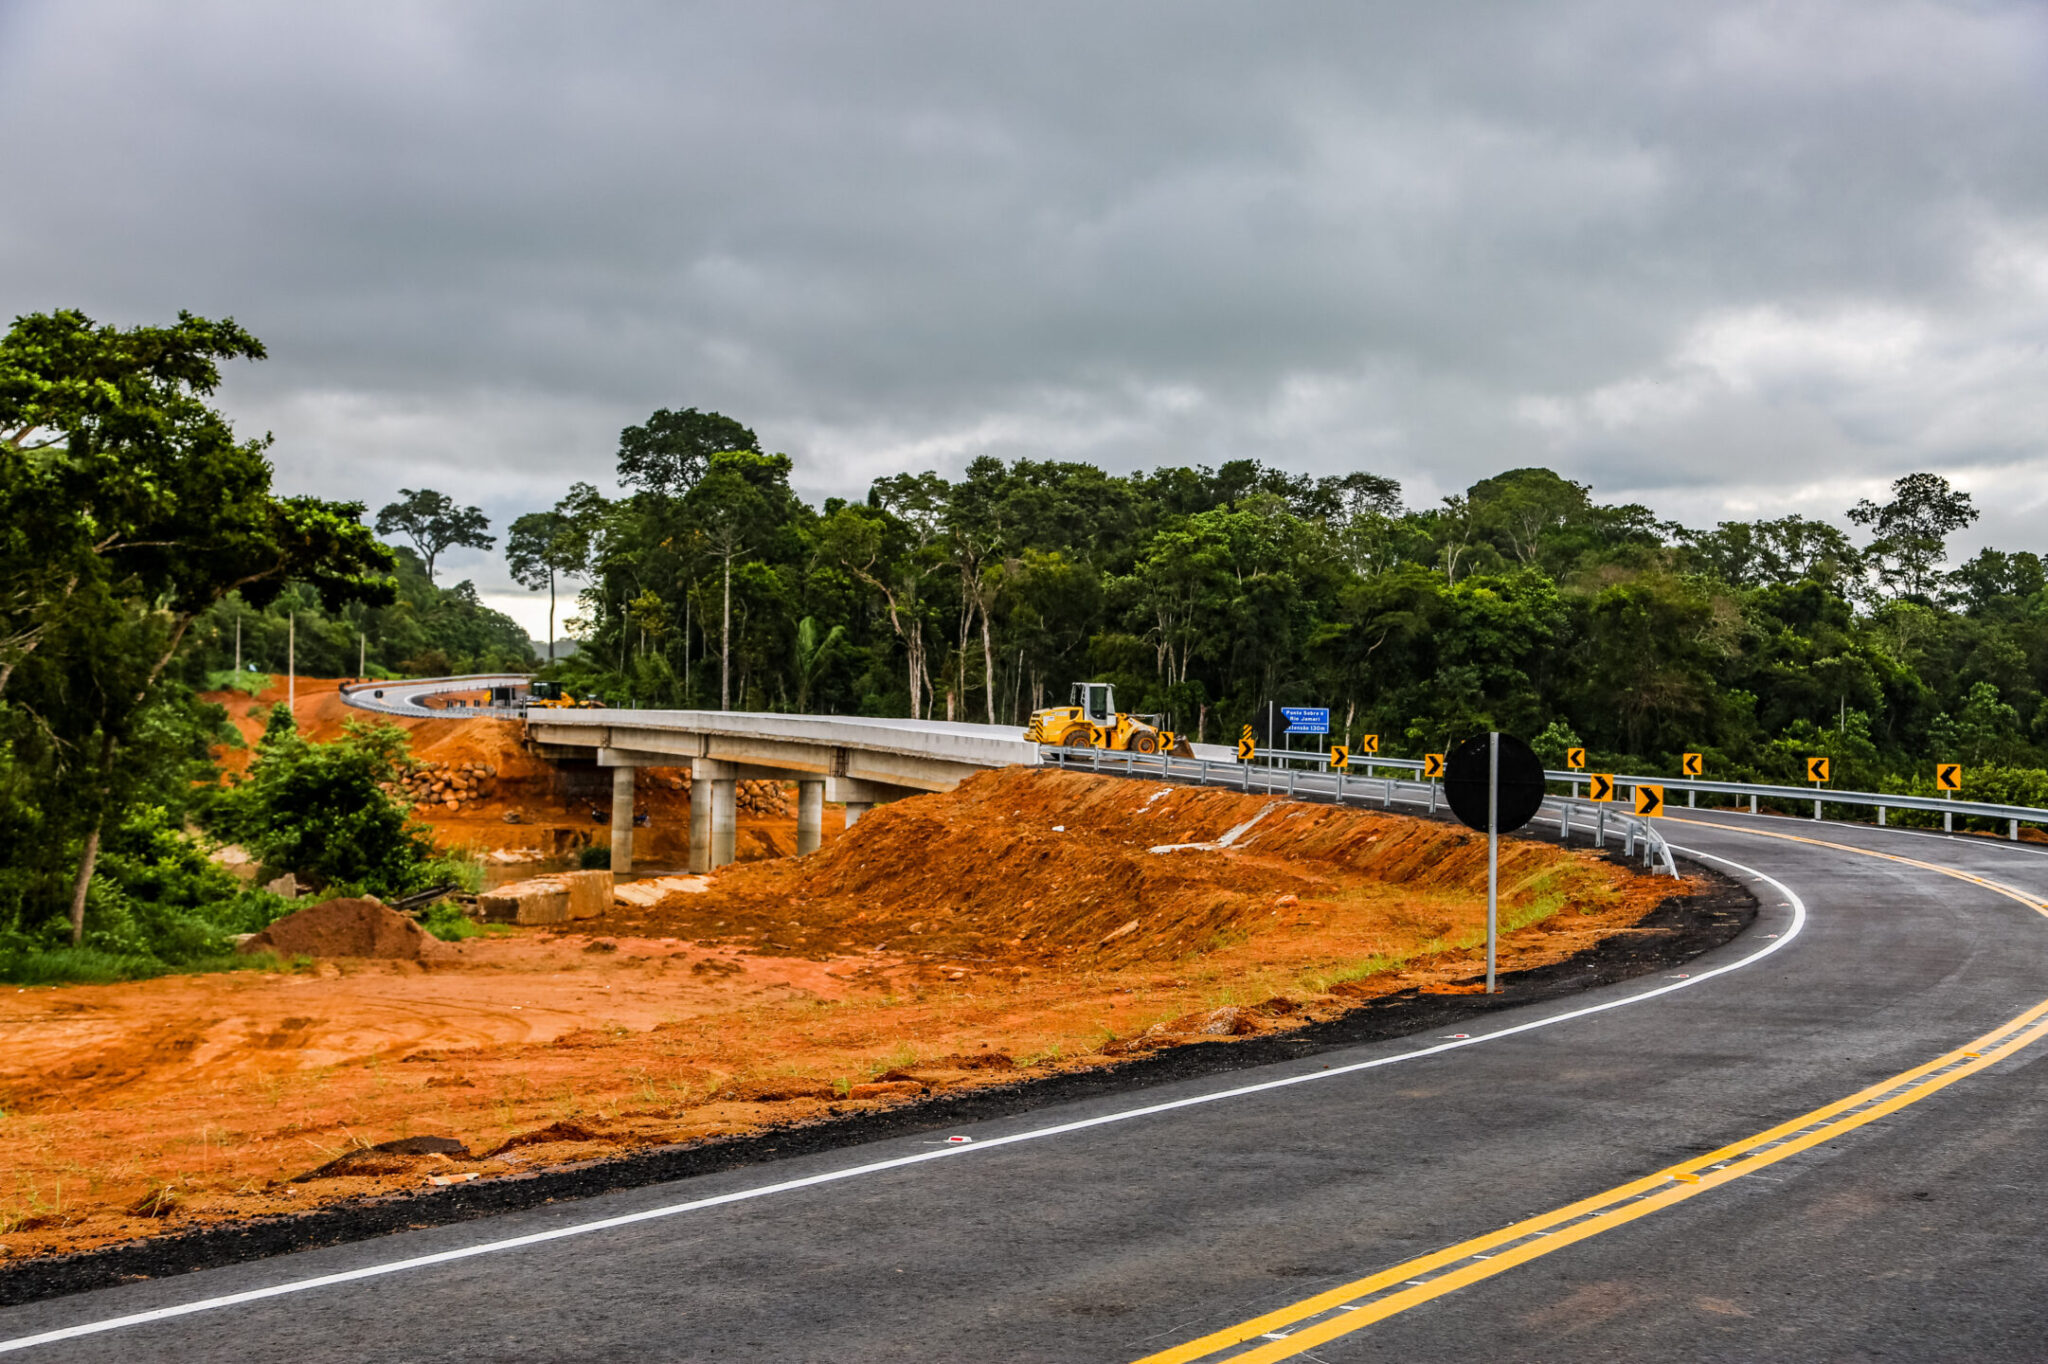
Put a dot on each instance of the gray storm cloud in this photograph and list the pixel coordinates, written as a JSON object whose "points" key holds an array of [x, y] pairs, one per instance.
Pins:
{"points": [[1721, 259]]}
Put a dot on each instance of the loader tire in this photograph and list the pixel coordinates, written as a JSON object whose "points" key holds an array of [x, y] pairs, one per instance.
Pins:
{"points": [[1077, 737], [1144, 743]]}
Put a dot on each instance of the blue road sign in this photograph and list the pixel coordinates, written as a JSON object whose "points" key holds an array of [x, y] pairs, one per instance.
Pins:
{"points": [[1307, 719]]}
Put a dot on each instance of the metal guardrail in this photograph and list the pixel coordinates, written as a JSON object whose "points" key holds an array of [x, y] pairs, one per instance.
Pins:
{"points": [[1882, 802], [1640, 836]]}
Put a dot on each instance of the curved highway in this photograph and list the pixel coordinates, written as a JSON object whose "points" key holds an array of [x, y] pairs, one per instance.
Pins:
{"points": [[1820, 1141], [404, 697]]}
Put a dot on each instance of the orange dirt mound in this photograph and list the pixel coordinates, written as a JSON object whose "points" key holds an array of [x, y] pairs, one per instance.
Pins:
{"points": [[346, 928], [1051, 862]]}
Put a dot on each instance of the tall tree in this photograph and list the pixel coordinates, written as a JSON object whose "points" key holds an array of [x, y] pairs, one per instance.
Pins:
{"points": [[742, 500], [156, 513], [434, 524], [542, 546], [671, 451], [1912, 530]]}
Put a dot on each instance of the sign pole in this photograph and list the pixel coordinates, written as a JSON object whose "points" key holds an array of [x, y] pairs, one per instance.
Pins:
{"points": [[1492, 852]]}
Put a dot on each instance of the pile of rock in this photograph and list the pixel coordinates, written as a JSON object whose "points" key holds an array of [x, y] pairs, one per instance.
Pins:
{"points": [[452, 786], [762, 798]]}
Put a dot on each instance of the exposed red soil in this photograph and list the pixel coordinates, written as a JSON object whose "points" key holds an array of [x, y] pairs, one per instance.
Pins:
{"points": [[945, 942], [346, 928], [548, 815]]}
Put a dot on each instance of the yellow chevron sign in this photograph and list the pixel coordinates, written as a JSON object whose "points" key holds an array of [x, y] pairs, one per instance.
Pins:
{"points": [[1340, 757], [1244, 749], [1575, 759], [1692, 764], [1817, 769], [1948, 776], [1599, 786], [1368, 743], [1432, 764], [1649, 800]]}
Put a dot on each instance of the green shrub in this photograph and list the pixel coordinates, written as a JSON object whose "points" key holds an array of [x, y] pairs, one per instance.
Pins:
{"points": [[322, 811], [595, 858]]}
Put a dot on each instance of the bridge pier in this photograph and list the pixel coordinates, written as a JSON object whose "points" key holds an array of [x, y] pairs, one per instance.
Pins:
{"points": [[711, 835], [810, 816], [622, 820]]}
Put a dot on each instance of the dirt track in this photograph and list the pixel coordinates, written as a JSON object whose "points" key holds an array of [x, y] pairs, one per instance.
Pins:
{"points": [[946, 942]]}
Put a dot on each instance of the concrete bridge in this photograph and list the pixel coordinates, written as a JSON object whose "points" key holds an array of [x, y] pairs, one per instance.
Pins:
{"points": [[850, 760]]}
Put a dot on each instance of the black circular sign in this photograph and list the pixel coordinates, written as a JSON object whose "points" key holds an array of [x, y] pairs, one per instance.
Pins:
{"points": [[1521, 782]]}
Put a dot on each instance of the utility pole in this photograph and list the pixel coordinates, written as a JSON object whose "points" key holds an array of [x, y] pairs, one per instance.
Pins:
{"points": [[1492, 853], [291, 662]]}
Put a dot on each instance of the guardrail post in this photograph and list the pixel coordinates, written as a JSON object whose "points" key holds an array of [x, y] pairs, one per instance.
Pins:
{"points": [[1816, 809], [1564, 823], [1628, 841], [2012, 830], [1432, 795], [1752, 804], [1691, 802], [1880, 816], [1389, 801], [1600, 829]]}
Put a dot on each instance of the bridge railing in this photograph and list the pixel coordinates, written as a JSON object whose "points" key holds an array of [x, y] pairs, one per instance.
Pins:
{"points": [[1882, 802], [1639, 836]]}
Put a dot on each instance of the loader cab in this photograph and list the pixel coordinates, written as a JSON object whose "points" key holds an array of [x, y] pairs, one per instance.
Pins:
{"points": [[545, 691], [1097, 701]]}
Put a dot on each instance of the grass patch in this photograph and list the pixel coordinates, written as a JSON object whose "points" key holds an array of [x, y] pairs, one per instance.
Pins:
{"points": [[227, 679], [450, 922], [91, 966]]}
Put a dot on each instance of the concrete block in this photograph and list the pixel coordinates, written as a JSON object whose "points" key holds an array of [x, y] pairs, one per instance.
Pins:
{"points": [[590, 892], [542, 900], [556, 898]]}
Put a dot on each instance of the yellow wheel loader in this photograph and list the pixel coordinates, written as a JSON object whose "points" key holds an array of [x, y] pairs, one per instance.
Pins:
{"points": [[1093, 721], [550, 696]]}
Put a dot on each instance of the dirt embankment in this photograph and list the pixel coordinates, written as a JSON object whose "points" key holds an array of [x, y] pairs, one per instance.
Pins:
{"points": [[1028, 924], [504, 797]]}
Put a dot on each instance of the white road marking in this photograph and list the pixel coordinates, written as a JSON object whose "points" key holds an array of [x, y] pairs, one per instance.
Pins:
{"points": [[978, 1147]]}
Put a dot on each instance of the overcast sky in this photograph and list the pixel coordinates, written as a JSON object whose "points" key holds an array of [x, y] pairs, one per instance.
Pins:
{"points": [[1727, 260]]}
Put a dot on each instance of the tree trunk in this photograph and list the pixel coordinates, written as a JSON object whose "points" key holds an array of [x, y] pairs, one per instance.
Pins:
{"points": [[551, 613], [84, 881], [988, 664], [89, 856], [725, 643]]}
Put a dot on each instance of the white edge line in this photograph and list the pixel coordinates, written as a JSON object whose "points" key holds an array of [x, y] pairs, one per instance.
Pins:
{"points": [[901, 1162]]}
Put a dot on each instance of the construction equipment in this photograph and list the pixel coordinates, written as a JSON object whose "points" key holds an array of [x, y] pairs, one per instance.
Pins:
{"points": [[550, 696], [1093, 721]]}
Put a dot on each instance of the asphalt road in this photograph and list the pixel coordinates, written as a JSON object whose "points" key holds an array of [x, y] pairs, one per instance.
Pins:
{"points": [[1917, 1235]]}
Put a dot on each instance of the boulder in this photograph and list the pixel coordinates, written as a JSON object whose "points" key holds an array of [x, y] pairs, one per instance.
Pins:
{"points": [[552, 899]]}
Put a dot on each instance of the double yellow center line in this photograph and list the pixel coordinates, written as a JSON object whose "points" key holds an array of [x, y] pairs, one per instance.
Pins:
{"points": [[1293, 1330]]}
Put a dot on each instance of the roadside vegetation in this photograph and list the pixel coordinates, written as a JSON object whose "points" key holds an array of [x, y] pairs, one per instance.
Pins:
{"points": [[145, 558], [138, 532]]}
